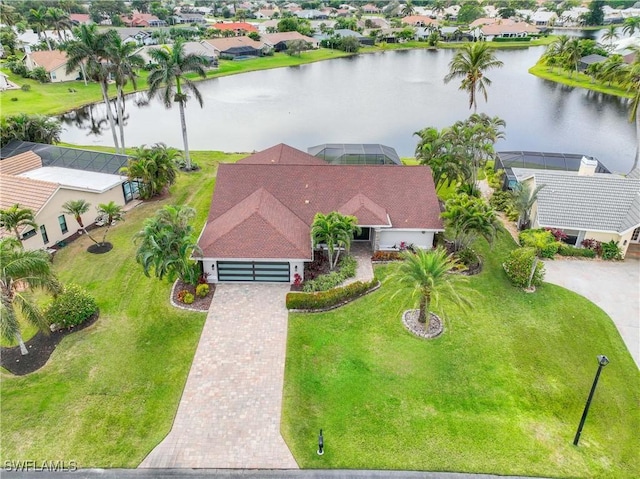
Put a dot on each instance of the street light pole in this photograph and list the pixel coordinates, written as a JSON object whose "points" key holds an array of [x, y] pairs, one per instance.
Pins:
{"points": [[602, 362]]}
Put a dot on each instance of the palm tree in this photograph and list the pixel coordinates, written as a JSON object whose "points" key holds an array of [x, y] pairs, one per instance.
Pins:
{"points": [[436, 150], [611, 35], [631, 25], [39, 20], [59, 20], [572, 55], [523, 201], [77, 208], [467, 217], [167, 243], [35, 128], [408, 9], [113, 213], [123, 64], [426, 274], [15, 218], [20, 272], [555, 52], [470, 63], [631, 80], [169, 80], [154, 168], [335, 231], [89, 52]]}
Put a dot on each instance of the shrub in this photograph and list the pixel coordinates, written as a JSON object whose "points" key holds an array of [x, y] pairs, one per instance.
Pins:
{"points": [[611, 251], [202, 290], [500, 200], [40, 74], [327, 281], [568, 250], [518, 267], [13, 98], [327, 299], [71, 308], [559, 235], [592, 244], [188, 298], [386, 256], [25, 87], [181, 295], [468, 257], [542, 240]]}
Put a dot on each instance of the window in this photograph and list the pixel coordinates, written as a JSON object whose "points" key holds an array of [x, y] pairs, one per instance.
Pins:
{"points": [[43, 232], [28, 234], [63, 224], [53, 76]]}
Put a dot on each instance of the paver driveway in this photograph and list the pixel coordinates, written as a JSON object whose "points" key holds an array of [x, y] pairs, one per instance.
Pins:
{"points": [[614, 286], [229, 414]]}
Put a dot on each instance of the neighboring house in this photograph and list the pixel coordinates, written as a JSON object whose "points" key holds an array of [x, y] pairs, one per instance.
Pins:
{"points": [[419, 21], [355, 154], [259, 224], [142, 20], [506, 29], [54, 62], [190, 18], [586, 204], [279, 41], [24, 180], [199, 48], [4, 82], [311, 14], [536, 160], [265, 14], [80, 18], [345, 32], [370, 9], [585, 62], [542, 18], [237, 47], [137, 36], [239, 28]]}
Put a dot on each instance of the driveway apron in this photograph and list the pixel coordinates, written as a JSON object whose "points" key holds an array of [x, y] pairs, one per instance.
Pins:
{"points": [[229, 413], [612, 285]]}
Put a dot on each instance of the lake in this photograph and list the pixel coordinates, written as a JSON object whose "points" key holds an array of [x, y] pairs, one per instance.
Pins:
{"points": [[375, 98]]}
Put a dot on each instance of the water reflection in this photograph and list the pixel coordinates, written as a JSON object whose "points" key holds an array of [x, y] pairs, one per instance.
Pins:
{"points": [[377, 98]]}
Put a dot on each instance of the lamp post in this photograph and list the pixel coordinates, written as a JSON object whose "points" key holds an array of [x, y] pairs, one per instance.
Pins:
{"points": [[320, 444], [602, 362]]}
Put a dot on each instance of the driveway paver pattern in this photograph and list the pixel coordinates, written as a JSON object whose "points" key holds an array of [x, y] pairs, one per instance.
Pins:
{"points": [[229, 413], [612, 285]]}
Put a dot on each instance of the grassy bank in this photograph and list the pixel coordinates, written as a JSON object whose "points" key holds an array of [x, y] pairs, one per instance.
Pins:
{"points": [[500, 392], [577, 80], [109, 393]]}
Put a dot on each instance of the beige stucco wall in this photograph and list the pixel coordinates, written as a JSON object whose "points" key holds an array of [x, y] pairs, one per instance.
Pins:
{"points": [[48, 216], [622, 240], [61, 74]]}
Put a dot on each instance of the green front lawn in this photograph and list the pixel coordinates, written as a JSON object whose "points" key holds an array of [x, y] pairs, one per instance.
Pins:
{"points": [[500, 392], [108, 394]]}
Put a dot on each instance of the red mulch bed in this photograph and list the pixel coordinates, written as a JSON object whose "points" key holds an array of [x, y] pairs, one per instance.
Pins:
{"points": [[200, 304], [40, 347]]}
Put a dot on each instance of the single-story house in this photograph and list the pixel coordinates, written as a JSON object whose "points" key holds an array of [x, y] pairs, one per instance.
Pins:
{"points": [[190, 18], [588, 60], [266, 13], [312, 14], [586, 204], [54, 62], [259, 224], [142, 20], [345, 32], [419, 21], [26, 181], [278, 41], [355, 154], [137, 36], [504, 30], [199, 48], [370, 9], [543, 18], [236, 47], [80, 18], [239, 28]]}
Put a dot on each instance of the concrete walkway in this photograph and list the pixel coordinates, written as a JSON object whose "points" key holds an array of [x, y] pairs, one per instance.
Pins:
{"points": [[614, 286], [229, 413], [364, 270]]}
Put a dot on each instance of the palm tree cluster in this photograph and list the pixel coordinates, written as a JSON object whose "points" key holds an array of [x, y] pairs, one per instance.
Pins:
{"points": [[56, 19], [24, 127], [111, 212], [167, 243], [335, 231], [153, 169], [455, 153], [468, 217]]}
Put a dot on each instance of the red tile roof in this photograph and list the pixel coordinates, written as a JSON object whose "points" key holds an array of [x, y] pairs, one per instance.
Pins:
{"points": [[282, 154], [49, 59], [266, 210], [17, 164], [235, 26]]}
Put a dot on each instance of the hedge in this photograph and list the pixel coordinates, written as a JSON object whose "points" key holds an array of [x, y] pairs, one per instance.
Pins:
{"points": [[511, 39], [323, 300], [518, 267], [348, 265], [568, 250]]}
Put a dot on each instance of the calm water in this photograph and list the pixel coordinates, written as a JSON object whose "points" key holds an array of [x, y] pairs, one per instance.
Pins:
{"points": [[375, 98]]}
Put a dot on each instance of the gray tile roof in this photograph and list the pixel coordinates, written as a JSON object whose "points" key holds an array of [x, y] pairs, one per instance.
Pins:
{"points": [[595, 203]]}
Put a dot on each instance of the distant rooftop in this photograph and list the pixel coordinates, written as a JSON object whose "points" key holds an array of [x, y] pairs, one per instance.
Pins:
{"points": [[355, 154], [64, 157], [544, 161]]}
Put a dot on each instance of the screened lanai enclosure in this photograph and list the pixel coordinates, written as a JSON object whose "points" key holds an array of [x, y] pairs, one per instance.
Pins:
{"points": [[355, 154]]}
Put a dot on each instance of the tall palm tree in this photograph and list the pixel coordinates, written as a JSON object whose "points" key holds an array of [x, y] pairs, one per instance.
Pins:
{"points": [[15, 218], [20, 272], [611, 35], [77, 208], [631, 25], [470, 63], [426, 274], [123, 64], [39, 20], [335, 231], [8, 15], [555, 52], [89, 52], [436, 150], [169, 81], [573, 54], [612, 70], [112, 213], [408, 9], [60, 22], [631, 80]]}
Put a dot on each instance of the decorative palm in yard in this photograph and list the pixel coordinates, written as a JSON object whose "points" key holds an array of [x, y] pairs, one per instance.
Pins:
{"points": [[523, 201], [77, 208], [20, 272], [168, 80], [468, 217], [426, 274], [14, 218], [470, 63], [335, 231], [112, 213]]}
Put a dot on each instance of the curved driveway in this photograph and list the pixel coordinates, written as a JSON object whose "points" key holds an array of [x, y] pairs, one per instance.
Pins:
{"points": [[614, 286]]}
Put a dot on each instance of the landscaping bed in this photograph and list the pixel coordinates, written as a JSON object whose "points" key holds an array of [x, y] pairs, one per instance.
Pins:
{"points": [[199, 303]]}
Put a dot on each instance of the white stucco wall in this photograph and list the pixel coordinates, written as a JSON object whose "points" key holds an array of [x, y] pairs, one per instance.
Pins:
{"points": [[387, 238]]}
